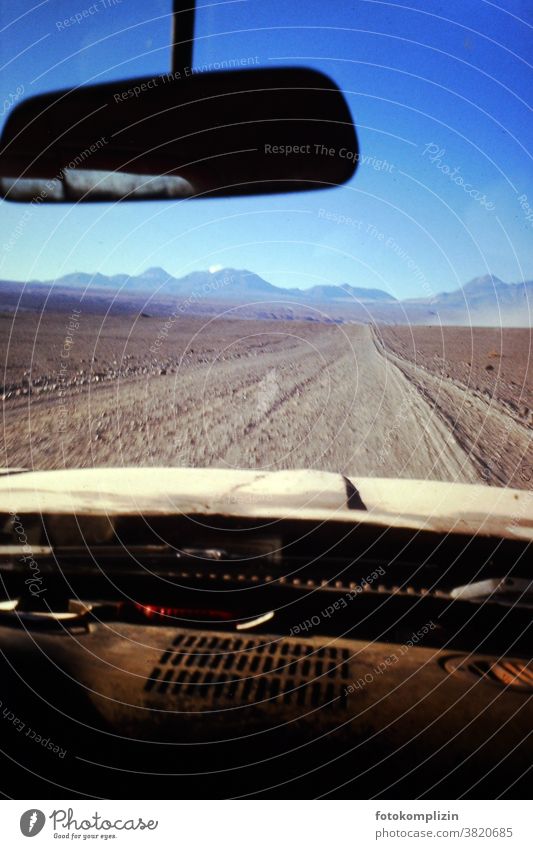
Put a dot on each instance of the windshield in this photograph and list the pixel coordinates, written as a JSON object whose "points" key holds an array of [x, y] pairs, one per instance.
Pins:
{"points": [[378, 329]]}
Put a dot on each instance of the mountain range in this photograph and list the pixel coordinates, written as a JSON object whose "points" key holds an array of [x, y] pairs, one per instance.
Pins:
{"points": [[224, 283], [484, 301]]}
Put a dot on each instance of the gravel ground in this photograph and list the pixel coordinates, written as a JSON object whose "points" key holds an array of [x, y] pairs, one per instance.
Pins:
{"points": [[264, 395], [480, 382]]}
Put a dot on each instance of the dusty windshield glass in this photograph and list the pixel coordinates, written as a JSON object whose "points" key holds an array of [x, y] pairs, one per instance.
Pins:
{"points": [[380, 328]]}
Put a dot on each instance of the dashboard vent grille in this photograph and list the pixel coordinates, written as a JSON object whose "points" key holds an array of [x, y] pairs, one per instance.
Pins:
{"points": [[222, 669], [512, 674]]}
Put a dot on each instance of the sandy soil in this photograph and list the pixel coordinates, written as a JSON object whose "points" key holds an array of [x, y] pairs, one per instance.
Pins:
{"points": [[480, 382], [262, 395]]}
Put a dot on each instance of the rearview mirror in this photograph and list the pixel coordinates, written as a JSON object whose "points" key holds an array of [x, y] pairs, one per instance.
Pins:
{"points": [[215, 134]]}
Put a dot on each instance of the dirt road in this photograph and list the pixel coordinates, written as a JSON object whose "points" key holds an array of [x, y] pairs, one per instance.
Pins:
{"points": [[260, 395], [478, 382]]}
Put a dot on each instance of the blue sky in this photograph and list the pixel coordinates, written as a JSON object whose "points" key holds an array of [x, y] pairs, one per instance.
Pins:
{"points": [[438, 91]]}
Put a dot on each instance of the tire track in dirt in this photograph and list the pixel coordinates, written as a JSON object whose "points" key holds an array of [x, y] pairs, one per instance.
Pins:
{"points": [[497, 444]]}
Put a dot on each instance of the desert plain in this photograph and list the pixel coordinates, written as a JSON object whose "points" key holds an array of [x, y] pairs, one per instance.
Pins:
{"points": [[446, 403]]}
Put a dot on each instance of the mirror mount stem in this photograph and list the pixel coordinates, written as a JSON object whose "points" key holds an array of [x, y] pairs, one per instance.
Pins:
{"points": [[182, 34]]}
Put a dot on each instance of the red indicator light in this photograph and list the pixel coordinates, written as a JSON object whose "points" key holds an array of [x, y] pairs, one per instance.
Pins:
{"points": [[151, 611]]}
